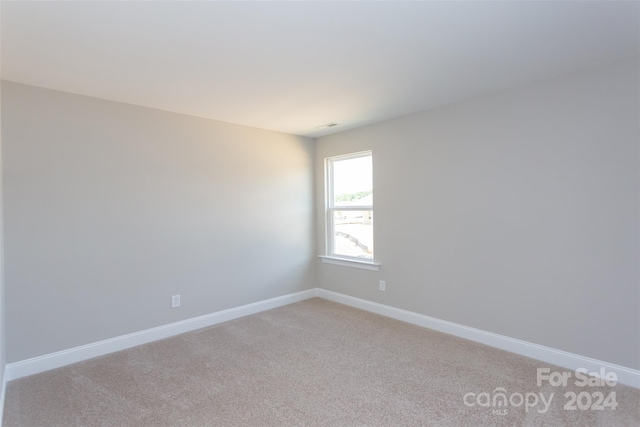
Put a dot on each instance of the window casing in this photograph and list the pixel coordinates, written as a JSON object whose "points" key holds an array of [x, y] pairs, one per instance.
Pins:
{"points": [[349, 207]]}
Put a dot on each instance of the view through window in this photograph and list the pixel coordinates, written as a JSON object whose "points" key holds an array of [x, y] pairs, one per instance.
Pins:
{"points": [[350, 206]]}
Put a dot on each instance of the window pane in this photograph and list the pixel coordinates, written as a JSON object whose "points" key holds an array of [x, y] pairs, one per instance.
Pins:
{"points": [[353, 233], [352, 182]]}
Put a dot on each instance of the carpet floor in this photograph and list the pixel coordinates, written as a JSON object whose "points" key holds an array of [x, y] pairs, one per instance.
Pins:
{"points": [[313, 363]]}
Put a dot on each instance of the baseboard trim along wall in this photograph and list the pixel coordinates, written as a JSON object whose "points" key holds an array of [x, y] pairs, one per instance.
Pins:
{"points": [[58, 359], [627, 376]]}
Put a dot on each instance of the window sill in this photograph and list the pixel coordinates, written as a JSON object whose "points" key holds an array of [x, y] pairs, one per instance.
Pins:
{"points": [[347, 262]]}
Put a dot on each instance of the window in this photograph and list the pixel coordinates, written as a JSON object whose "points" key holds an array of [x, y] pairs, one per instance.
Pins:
{"points": [[349, 208]]}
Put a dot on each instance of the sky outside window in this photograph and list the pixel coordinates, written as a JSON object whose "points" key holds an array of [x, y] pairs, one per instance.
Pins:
{"points": [[352, 176]]}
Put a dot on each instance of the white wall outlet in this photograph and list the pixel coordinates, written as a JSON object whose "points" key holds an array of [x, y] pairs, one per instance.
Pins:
{"points": [[383, 285], [175, 301]]}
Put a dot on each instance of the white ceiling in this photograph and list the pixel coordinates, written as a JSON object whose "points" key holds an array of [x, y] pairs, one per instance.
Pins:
{"points": [[292, 66]]}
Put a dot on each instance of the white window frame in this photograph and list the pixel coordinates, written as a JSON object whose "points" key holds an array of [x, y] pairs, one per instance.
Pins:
{"points": [[331, 257]]}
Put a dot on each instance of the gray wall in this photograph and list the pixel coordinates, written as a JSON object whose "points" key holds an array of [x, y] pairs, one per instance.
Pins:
{"points": [[110, 209], [515, 213]]}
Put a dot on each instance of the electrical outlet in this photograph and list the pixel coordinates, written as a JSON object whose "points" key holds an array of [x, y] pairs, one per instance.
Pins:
{"points": [[175, 301], [383, 285]]}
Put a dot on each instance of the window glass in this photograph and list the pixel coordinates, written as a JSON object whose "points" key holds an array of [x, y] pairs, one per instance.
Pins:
{"points": [[350, 206]]}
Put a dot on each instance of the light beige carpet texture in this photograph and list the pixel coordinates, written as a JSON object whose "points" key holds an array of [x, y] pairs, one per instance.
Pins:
{"points": [[313, 363]]}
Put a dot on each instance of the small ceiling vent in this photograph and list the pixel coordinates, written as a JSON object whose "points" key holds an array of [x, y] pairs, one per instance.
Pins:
{"points": [[328, 125]]}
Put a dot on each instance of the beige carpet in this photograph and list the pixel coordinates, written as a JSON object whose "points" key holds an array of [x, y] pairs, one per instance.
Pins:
{"points": [[313, 363]]}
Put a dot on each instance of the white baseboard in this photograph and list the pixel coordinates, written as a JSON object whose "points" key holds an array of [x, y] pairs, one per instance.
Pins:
{"points": [[549, 355], [627, 376], [46, 362]]}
